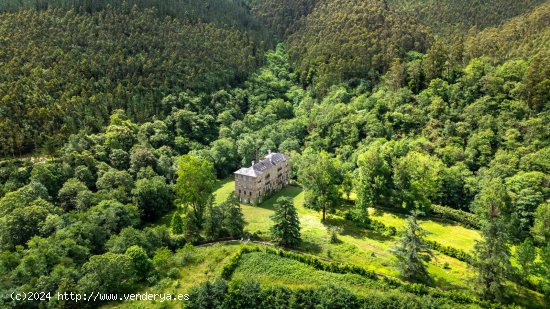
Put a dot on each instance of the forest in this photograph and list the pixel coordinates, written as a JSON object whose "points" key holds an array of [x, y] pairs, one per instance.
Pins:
{"points": [[417, 133]]}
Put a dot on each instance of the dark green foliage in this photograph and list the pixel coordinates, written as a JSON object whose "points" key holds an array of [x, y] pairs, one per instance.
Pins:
{"points": [[244, 294], [372, 182], [231, 13], [233, 219], [281, 17], [23, 223], [286, 227], [503, 42], [540, 229], [341, 40], [525, 256], [492, 254], [465, 218], [141, 262], [207, 295], [416, 178], [450, 251], [194, 187], [435, 129], [153, 197], [107, 273], [320, 175], [451, 16], [412, 252], [133, 68], [74, 195], [177, 223]]}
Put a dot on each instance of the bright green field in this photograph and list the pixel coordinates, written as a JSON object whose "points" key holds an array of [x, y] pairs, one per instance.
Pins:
{"points": [[357, 246]]}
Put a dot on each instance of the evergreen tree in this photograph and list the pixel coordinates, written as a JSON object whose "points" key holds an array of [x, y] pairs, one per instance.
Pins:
{"points": [[412, 251], [287, 224], [233, 221], [177, 223], [492, 253]]}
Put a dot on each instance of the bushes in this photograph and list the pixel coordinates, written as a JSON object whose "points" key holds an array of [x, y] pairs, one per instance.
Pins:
{"points": [[345, 268], [250, 294], [380, 227], [450, 251], [372, 224], [459, 216]]}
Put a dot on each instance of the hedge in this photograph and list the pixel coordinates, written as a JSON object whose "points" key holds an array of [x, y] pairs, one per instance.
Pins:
{"points": [[450, 251], [460, 216], [346, 268]]}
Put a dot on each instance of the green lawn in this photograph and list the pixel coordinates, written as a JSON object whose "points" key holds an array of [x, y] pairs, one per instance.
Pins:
{"points": [[356, 245], [448, 234]]}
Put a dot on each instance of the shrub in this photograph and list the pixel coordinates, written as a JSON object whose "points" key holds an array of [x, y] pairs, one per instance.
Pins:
{"points": [[450, 251], [460, 216]]}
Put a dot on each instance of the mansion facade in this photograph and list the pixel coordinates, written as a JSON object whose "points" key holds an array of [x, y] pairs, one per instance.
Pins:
{"points": [[269, 175]]}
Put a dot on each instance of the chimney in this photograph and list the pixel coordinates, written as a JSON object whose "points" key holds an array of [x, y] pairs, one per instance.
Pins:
{"points": [[269, 151], [253, 162]]}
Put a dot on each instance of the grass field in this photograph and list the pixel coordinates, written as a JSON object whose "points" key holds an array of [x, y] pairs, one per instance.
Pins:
{"points": [[356, 245]]}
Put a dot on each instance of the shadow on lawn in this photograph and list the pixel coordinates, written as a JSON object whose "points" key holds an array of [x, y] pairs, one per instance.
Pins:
{"points": [[310, 247], [290, 191], [444, 284], [351, 229]]}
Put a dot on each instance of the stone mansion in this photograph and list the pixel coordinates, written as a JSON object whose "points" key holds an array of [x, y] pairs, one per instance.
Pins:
{"points": [[271, 174]]}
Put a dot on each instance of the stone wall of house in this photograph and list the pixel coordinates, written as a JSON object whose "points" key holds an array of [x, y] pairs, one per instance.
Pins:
{"points": [[252, 190]]}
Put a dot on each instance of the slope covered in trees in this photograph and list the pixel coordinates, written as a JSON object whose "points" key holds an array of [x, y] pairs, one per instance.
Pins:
{"points": [[461, 142], [234, 13], [281, 16], [341, 40], [520, 37], [64, 71], [450, 16], [376, 115]]}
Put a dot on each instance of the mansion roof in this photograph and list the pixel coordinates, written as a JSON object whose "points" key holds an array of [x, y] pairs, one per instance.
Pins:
{"points": [[257, 169]]}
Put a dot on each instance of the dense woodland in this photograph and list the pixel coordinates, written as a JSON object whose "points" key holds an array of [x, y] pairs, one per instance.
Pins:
{"points": [[132, 113]]}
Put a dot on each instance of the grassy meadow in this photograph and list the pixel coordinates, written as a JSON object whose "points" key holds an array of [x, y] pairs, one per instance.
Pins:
{"points": [[356, 245]]}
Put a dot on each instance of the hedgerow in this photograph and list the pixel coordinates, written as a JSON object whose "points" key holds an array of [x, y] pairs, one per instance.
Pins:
{"points": [[346, 268], [460, 216]]}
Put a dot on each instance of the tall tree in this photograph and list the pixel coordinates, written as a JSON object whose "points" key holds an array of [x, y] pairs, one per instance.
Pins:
{"points": [[320, 176], [372, 181], [153, 197], [195, 185], [492, 253], [540, 229], [412, 251], [416, 177], [233, 220], [286, 226]]}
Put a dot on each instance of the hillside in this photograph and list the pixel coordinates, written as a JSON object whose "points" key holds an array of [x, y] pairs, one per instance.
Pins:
{"points": [[233, 13], [281, 16], [449, 16], [519, 37], [72, 70], [381, 161], [342, 40]]}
